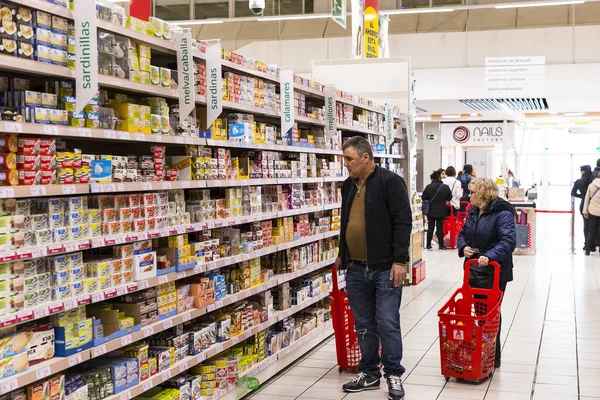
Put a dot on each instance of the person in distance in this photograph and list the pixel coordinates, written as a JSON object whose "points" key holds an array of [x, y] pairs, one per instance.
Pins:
{"points": [[579, 190], [465, 180], [597, 169], [455, 187], [442, 173], [374, 240], [489, 234], [591, 211], [437, 195]]}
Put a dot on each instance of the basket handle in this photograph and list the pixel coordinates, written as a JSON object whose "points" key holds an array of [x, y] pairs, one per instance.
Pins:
{"points": [[473, 261], [334, 278]]}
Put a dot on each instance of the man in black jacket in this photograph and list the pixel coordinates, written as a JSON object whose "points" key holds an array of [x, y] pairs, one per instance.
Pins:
{"points": [[374, 241]]}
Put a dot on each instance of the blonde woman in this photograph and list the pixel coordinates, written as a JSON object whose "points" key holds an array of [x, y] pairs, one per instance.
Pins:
{"points": [[488, 235]]}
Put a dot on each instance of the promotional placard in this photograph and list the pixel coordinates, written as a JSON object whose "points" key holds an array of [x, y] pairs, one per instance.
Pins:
{"points": [[86, 52], [185, 74], [384, 44], [214, 89], [338, 12], [330, 112], [371, 35], [358, 12], [287, 101], [389, 125]]}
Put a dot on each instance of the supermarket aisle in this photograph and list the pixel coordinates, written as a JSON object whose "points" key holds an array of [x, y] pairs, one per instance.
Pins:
{"points": [[551, 336]]}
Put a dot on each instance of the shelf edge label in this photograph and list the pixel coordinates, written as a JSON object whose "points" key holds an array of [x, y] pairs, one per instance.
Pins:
{"points": [[287, 101], [214, 91], [86, 52], [330, 112], [185, 75]]}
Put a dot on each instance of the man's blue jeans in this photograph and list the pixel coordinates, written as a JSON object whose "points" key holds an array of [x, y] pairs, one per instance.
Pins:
{"points": [[375, 303]]}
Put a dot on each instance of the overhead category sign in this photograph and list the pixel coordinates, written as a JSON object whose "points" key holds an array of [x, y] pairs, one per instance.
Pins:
{"points": [[338, 12], [477, 134], [358, 12], [185, 74], [514, 74], [214, 90], [371, 35], [86, 53]]}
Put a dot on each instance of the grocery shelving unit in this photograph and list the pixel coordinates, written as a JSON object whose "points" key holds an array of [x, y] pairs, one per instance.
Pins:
{"points": [[266, 368]]}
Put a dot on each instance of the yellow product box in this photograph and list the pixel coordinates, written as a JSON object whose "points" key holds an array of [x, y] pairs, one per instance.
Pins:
{"points": [[209, 385], [144, 64], [162, 300], [136, 24], [144, 51], [126, 322], [170, 286], [218, 129], [14, 365], [210, 376], [135, 62], [161, 290], [205, 369], [177, 241], [163, 310], [104, 282], [207, 392], [145, 78], [91, 285]]}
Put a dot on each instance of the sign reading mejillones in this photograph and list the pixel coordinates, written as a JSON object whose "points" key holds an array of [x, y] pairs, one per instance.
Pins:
{"points": [[185, 74], [287, 101], [330, 112], [214, 90], [86, 52]]}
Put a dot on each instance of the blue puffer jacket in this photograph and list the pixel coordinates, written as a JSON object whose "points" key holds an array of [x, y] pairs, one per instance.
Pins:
{"points": [[493, 233]]}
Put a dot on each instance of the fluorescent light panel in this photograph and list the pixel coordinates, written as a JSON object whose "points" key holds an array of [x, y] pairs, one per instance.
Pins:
{"points": [[417, 11], [293, 17], [540, 4], [574, 114], [197, 22], [451, 116]]}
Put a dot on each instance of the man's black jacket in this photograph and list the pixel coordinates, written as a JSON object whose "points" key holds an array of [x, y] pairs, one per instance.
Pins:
{"points": [[388, 218]]}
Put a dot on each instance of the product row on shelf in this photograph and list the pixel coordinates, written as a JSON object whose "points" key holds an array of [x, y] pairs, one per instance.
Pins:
{"points": [[243, 296]]}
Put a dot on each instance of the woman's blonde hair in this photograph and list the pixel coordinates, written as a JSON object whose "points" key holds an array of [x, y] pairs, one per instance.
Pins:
{"points": [[486, 190]]}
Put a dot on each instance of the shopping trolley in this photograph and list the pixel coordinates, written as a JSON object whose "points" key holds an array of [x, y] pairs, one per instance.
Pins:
{"points": [[468, 325], [346, 343]]}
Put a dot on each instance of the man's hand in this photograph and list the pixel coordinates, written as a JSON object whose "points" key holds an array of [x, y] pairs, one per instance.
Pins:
{"points": [[469, 251], [586, 216], [338, 263], [483, 261], [398, 273]]}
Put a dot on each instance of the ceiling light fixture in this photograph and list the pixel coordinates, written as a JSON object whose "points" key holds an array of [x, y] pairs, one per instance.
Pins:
{"points": [[293, 17], [197, 22], [419, 119], [574, 114], [451, 116], [474, 115], [540, 4], [417, 11]]}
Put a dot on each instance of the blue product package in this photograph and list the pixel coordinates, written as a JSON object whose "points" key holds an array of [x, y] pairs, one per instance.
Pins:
{"points": [[101, 171]]}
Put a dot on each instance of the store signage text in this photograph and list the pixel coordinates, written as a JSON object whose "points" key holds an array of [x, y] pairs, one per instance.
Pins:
{"points": [[371, 31], [187, 94], [214, 92], [86, 53], [481, 134], [389, 125], [330, 111], [287, 111]]}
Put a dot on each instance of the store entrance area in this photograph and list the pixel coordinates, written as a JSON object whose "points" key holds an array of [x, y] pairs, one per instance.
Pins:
{"points": [[551, 334]]}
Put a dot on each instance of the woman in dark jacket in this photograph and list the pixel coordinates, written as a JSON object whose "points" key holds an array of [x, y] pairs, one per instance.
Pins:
{"points": [[438, 194], [489, 234], [579, 190]]}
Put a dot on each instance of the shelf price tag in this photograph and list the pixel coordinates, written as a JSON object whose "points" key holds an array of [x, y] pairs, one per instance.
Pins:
{"points": [[124, 136], [108, 134], [9, 386], [149, 331], [147, 385], [13, 127], [50, 130], [126, 340], [126, 395], [183, 366], [75, 359], [185, 317], [166, 375], [100, 350], [167, 324], [43, 372], [85, 132], [140, 137]]}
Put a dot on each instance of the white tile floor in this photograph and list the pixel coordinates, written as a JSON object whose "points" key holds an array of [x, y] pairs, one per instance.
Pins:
{"points": [[551, 334]]}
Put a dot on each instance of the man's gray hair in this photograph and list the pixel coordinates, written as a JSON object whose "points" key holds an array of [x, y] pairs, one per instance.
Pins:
{"points": [[360, 144]]}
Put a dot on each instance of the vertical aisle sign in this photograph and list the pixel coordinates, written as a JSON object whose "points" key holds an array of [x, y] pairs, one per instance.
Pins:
{"points": [[371, 31], [389, 126], [384, 44], [357, 7], [214, 91], [185, 74], [287, 101], [86, 53], [338, 12], [330, 112]]}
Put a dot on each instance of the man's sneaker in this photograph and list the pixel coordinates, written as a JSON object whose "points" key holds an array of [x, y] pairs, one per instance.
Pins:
{"points": [[361, 382], [395, 388]]}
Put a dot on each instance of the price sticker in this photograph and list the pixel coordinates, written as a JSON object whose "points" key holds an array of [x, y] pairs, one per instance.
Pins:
{"points": [[126, 395], [76, 359], [163, 279], [43, 372], [40, 312], [50, 130], [85, 132], [158, 138], [198, 269], [9, 386], [183, 366], [146, 186], [219, 348], [124, 136], [142, 285], [7, 193], [140, 137], [166, 185], [149, 331], [210, 307], [121, 290], [110, 134], [185, 184], [120, 187], [178, 139], [219, 304], [185, 317], [168, 324], [166, 375], [13, 127], [235, 340], [98, 296], [189, 140], [38, 191], [147, 385], [126, 340], [100, 350], [70, 304], [201, 357]]}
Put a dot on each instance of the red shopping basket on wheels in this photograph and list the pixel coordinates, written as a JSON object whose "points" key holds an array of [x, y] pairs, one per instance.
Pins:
{"points": [[468, 325], [454, 223], [346, 343]]}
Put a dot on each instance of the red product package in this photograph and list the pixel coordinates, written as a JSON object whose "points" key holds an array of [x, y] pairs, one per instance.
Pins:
{"points": [[48, 177], [47, 161], [29, 145], [29, 162], [28, 178], [47, 146], [172, 174]]}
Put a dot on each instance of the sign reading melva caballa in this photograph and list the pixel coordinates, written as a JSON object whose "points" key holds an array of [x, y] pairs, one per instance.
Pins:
{"points": [[476, 134]]}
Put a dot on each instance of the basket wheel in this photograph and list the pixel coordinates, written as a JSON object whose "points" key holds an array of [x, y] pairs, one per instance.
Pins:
{"points": [[340, 370], [447, 378]]}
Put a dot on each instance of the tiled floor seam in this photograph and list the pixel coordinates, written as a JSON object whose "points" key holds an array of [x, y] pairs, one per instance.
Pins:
{"points": [[537, 361]]}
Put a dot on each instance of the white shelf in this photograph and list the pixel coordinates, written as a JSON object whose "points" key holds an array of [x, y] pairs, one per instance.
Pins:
{"points": [[309, 120], [355, 129], [393, 156], [9, 192], [269, 147], [228, 65], [359, 105], [230, 105], [145, 186], [310, 91]]}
